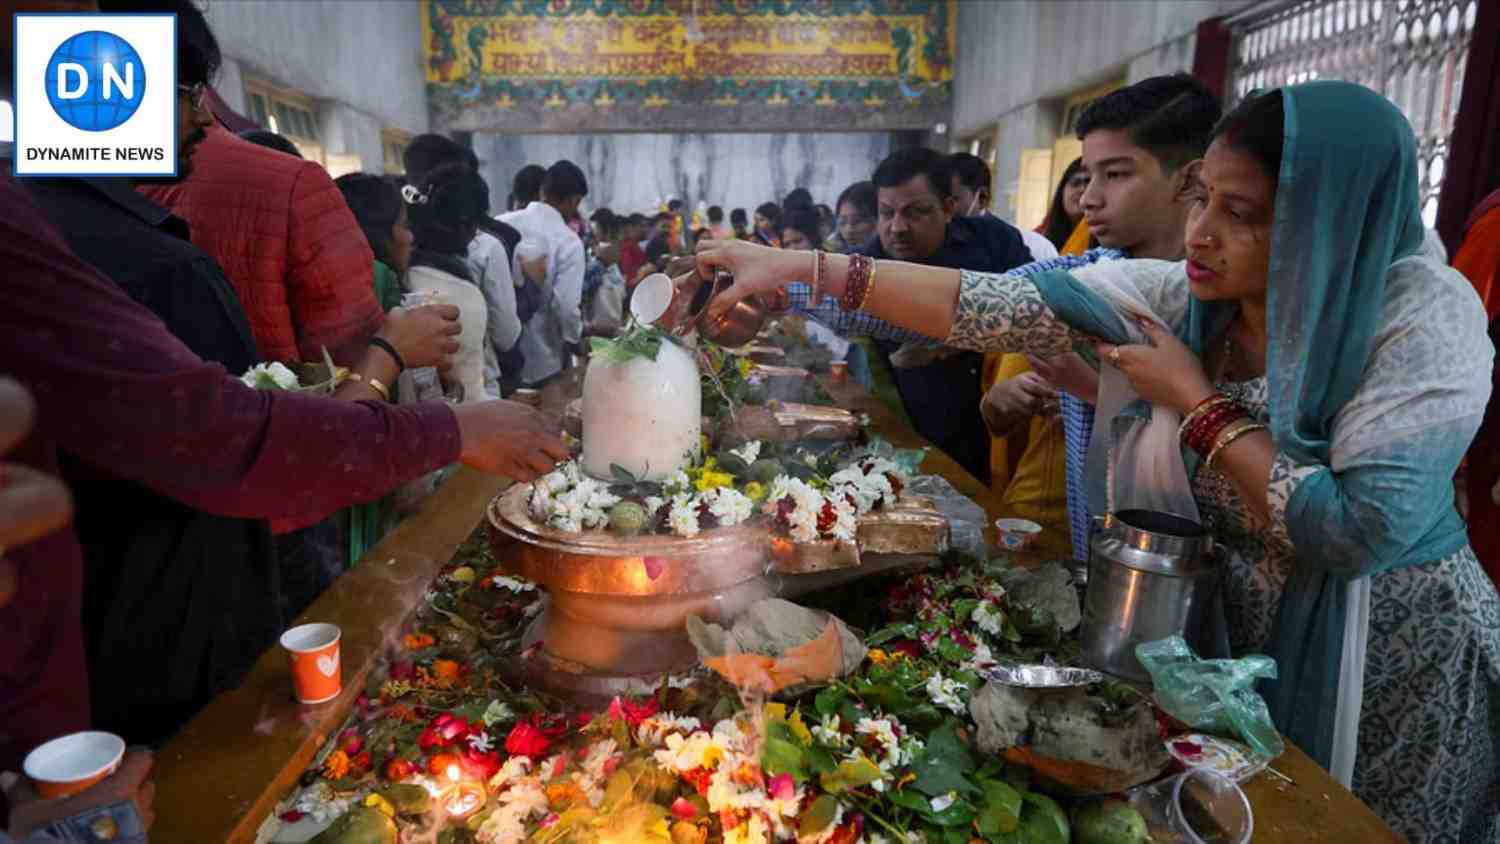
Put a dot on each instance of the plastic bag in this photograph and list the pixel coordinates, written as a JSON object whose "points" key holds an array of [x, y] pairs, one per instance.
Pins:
{"points": [[1145, 471], [966, 520], [1216, 695]]}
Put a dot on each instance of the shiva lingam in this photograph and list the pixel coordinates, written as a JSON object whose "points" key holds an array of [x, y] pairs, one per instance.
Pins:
{"points": [[616, 608]]}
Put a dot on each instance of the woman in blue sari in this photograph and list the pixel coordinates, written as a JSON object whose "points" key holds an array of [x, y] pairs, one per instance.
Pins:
{"points": [[1311, 303]]}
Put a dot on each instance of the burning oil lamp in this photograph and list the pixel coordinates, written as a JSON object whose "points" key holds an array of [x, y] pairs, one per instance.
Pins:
{"points": [[462, 798]]}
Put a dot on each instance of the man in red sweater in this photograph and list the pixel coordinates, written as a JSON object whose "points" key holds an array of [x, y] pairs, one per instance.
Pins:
{"points": [[288, 242]]}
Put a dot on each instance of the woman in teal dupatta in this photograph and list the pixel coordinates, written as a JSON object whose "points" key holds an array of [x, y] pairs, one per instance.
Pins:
{"points": [[1312, 300]]}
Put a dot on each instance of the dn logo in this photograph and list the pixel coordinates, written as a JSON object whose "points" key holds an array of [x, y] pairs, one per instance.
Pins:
{"points": [[95, 81]]}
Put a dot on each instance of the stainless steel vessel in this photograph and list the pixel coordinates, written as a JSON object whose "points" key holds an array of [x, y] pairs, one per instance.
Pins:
{"points": [[1150, 575]]}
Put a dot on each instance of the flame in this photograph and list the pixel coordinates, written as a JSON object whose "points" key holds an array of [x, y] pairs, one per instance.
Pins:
{"points": [[453, 773]]}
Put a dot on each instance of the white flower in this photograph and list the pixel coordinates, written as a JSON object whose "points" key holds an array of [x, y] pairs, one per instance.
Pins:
{"points": [[683, 754], [941, 803], [683, 518], [749, 452], [653, 731], [680, 681], [828, 732], [751, 832], [945, 693], [677, 484], [319, 801], [514, 769], [481, 743], [500, 581], [653, 504], [496, 713], [892, 754], [845, 521], [990, 618], [270, 376], [729, 505]]}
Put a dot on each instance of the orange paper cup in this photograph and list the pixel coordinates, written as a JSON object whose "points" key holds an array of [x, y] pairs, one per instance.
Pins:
{"points": [[317, 671], [65, 766]]}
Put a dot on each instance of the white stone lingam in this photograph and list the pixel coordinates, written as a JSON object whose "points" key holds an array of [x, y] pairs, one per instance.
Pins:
{"points": [[645, 416]]}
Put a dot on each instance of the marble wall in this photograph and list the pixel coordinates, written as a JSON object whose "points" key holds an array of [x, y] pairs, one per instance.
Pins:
{"points": [[629, 172]]}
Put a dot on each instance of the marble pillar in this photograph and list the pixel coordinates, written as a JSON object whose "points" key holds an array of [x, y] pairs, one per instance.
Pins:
{"points": [[631, 172]]}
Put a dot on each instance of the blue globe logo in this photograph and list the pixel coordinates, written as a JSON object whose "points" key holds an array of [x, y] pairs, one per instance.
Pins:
{"points": [[95, 81]]}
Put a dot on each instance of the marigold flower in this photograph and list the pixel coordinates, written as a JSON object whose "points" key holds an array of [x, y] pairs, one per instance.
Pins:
{"points": [[417, 641], [447, 669], [336, 766]]}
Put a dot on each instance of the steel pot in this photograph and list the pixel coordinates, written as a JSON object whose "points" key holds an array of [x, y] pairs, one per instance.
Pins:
{"points": [[1151, 575]]}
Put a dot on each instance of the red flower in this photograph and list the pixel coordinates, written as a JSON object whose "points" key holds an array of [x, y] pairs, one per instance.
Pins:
{"points": [[699, 779], [444, 730], [398, 770], [632, 713], [529, 738], [353, 743], [782, 787], [481, 766], [402, 670], [361, 762], [683, 809], [293, 816]]}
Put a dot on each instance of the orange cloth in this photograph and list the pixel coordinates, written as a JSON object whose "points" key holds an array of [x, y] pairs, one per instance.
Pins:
{"points": [[1478, 258]]}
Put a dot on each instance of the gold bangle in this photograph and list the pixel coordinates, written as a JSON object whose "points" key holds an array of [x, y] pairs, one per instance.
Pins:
{"points": [[817, 279], [869, 286], [380, 389], [1227, 439]]}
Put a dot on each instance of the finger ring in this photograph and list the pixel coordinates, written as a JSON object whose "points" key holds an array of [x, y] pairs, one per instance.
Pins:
{"points": [[1114, 356]]}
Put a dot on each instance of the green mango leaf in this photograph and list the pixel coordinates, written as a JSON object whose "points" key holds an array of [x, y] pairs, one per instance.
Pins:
{"points": [[818, 817], [1000, 809], [891, 633], [849, 775], [941, 765]]}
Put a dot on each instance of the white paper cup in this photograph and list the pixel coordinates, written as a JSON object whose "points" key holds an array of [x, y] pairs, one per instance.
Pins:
{"points": [[68, 765], [1016, 534], [651, 298]]}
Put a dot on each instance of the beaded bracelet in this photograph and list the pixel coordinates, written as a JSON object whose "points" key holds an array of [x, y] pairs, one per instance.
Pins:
{"points": [[857, 285], [1227, 439]]}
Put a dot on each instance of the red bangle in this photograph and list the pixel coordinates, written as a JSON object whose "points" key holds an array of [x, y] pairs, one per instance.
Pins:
{"points": [[1205, 431], [857, 283]]}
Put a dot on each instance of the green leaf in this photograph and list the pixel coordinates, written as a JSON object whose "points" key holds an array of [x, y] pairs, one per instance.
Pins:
{"points": [[818, 817], [827, 702], [1000, 809], [851, 774], [621, 474], [941, 765], [782, 753], [960, 814], [1042, 820], [953, 651], [820, 761], [913, 800], [891, 633], [964, 608]]}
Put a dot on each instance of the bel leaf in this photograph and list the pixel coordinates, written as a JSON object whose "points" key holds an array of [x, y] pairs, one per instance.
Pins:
{"points": [[621, 474], [818, 817], [851, 774]]}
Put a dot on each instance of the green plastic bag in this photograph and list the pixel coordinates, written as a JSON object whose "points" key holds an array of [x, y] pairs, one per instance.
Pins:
{"points": [[1215, 695]]}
